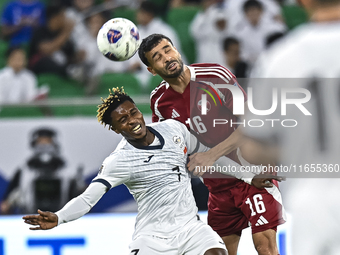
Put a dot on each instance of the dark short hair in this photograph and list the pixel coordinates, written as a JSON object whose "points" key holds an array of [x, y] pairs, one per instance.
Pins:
{"points": [[11, 49], [148, 7], [116, 97], [229, 41], [251, 4], [148, 44], [271, 38]]}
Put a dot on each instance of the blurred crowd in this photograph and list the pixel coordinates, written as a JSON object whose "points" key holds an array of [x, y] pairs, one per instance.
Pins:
{"points": [[59, 37]]}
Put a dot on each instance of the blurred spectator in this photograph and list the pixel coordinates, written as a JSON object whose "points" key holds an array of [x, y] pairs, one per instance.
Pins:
{"points": [[18, 85], [271, 12], [19, 18], [127, 3], [209, 28], [52, 49], [180, 3], [148, 23], [43, 182], [254, 31], [234, 62], [77, 13], [97, 63]]}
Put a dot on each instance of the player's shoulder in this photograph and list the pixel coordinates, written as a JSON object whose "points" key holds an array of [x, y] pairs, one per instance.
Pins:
{"points": [[283, 53], [159, 90], [212, 70], [118, 156], [292, 43]]}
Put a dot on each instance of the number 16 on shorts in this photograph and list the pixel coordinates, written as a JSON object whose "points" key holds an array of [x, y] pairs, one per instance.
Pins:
{"points": [[257, 203]]}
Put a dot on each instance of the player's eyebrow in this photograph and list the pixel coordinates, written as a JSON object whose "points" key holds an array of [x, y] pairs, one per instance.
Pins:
{"points": [[164, 47]]}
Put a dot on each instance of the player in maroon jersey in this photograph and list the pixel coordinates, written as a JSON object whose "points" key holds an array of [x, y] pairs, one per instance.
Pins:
{"points": [[233, 203]]}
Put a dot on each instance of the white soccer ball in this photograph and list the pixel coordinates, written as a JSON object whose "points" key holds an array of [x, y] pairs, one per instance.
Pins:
{"points": [[118, 39]]}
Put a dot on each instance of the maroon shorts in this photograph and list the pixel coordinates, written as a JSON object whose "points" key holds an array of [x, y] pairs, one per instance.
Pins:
{"points": [[230, 211]]}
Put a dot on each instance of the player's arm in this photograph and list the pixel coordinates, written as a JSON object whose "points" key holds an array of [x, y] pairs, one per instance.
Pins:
{"points": [[109, 176], [73, 210], [227, 166], [194, 146], [234, 141]]}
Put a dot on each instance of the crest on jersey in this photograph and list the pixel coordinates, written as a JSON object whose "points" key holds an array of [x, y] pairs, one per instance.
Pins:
{"points": [[199, 106], [213, 98], [176, 139]]}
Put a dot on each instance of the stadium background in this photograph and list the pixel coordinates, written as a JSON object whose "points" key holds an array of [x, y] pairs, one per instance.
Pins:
{"points": [[84, 142]]}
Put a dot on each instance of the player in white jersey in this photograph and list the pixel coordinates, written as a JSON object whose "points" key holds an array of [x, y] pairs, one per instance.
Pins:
{"points": [[150, 161], [310, 53]]}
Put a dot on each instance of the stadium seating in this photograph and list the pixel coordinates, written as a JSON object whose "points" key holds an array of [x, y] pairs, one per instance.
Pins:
{"points": [[125, 12], [60, 87], [294, 15], [3, 49], [3, 3], [110, 80], [180, 19], [20, 112]]}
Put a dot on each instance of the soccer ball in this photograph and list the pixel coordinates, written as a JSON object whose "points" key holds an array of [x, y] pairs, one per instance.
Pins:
{"points": [[118, 39]]}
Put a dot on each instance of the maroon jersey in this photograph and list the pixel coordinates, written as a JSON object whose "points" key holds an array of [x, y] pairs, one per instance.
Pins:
{"points": [[166, 103]]}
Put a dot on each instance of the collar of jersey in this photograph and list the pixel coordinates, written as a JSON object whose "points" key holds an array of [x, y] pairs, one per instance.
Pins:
{"points": [[154, 147]]}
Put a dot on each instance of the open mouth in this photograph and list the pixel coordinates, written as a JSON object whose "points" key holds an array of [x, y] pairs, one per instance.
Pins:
{"points": [[172, 66], [137, 128]]}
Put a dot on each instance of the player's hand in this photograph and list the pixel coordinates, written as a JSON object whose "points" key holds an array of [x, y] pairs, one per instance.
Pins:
{"points": [[44, 220], [200, 162], [262, 181]]}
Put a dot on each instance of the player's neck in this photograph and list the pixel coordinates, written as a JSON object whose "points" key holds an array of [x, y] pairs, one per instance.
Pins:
{"points": [[326, 14], [180, 83], [145, 141]]}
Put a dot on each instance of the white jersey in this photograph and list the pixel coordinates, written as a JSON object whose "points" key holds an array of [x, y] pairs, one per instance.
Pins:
{"points": [[312, 53], [309, 52], [157, 178]]}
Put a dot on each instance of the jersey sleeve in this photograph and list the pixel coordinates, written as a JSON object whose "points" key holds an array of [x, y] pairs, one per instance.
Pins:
{"points": [[113, 171], [155, 118], [81, 204], [155, 100]]}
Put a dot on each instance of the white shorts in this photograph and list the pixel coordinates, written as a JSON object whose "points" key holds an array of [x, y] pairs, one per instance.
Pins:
{"points": [[195, 240]]}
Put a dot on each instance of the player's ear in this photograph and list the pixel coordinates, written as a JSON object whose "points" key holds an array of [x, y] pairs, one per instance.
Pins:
{"points": [[151, 71]]}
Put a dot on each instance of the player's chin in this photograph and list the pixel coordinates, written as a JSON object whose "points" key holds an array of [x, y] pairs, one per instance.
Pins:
{"points": [[174, 73], [139, 134]]}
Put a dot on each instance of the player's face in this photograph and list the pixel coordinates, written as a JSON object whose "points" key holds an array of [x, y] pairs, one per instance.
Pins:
{"points": [[165, 60], [128, 121]]}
